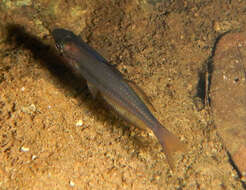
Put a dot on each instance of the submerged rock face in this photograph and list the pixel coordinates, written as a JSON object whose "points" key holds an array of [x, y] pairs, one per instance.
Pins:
{"points": [[228, 95]]}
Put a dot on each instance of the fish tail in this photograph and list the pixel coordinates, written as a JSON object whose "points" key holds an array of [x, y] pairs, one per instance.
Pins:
{"points": [[170, 144]]}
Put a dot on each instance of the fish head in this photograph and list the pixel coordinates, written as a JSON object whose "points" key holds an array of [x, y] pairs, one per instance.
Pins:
{"points": [[67, 43], [64, 40]]}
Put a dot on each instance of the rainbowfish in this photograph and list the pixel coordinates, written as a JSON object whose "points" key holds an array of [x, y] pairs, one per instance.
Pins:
{"points": [[124, 96]]}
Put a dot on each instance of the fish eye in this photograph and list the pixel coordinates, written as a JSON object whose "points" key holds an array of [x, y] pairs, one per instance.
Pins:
{"points": [[59, 46]]}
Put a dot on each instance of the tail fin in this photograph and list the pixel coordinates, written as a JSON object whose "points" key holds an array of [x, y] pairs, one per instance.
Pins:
{"points": [[170, 144]]}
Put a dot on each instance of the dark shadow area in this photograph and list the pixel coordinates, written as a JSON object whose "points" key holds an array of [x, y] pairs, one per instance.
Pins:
{"points": [[201, 86], [236, 168], [205, 75], [56, 65], [48, 56]]}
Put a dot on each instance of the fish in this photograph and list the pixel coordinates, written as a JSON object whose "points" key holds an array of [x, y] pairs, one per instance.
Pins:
{"points": [[123, 95]]}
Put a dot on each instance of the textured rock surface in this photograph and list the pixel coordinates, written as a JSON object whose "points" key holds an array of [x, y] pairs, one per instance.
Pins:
{"points": [[228, 94]]}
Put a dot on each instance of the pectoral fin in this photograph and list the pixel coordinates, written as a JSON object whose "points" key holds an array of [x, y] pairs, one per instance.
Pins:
{"points": [[141, 94], [93, 90]]}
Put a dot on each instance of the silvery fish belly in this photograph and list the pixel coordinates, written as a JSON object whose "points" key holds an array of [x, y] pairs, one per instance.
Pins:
{"points": [[124, 96]]}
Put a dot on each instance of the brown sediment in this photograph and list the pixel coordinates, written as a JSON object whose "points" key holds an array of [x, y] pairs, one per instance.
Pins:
{"points": [[162, 48]]}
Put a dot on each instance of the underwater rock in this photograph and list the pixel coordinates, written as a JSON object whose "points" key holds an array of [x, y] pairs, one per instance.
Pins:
{"points": [[228, 95]]}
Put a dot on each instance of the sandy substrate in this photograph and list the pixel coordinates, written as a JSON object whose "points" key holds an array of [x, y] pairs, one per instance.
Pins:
{"points": [[54, 135]]}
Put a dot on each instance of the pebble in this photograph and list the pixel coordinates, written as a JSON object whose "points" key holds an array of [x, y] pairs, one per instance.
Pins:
{"points": [[24, 149], [71, 183], [29, 109], [34, 157], [79, 123]]}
